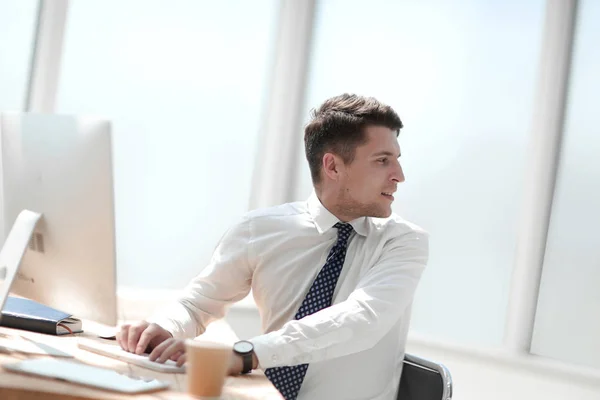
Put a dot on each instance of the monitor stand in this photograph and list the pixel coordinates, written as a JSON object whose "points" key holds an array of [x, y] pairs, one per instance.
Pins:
{"points": [[14, 249]]}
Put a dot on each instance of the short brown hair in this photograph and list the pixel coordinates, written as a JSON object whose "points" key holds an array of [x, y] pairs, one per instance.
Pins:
{"points": [[338, 126]]}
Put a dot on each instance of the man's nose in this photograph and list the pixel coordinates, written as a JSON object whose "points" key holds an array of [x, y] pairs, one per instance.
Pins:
{"points": [[398, 175]]}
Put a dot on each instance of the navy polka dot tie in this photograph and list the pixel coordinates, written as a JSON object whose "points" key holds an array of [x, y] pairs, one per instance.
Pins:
{"points": [[289, 379]]}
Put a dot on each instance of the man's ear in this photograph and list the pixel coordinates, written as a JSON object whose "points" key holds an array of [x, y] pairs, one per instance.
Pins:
{"points": [[331, 166]]}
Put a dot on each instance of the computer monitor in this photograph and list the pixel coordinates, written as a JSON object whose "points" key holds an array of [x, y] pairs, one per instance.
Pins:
{"points": [[61, 167]]}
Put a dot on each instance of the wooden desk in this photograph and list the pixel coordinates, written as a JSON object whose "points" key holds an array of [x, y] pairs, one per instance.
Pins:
{"points": [[15, 386]]}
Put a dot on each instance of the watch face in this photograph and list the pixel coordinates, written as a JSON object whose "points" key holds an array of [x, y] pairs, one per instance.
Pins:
{"points": [[243, 347]]}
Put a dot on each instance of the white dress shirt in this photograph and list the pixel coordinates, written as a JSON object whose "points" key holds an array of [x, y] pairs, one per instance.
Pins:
{"points": [[355, 347]]}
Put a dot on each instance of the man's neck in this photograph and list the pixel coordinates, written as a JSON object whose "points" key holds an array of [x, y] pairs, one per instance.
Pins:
{"points": [[328, 201]]}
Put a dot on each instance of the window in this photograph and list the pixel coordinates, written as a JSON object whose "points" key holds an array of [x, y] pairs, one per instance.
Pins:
{"points": [[567, 326], [183, 83], [17, 30], [461, 76]]}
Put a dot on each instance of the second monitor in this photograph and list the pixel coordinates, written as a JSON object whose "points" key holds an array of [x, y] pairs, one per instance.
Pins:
{"points": [[61, 166]]}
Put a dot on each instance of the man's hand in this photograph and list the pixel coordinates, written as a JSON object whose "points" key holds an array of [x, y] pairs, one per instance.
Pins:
{"points": [[137, 338], [170, 349], [174, 349]]}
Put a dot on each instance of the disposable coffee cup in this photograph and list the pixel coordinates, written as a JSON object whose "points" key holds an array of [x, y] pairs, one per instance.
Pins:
{"points": [[206, 368]]}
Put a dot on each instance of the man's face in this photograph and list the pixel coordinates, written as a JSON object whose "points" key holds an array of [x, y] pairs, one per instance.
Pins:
{"points": [[367, 183]]}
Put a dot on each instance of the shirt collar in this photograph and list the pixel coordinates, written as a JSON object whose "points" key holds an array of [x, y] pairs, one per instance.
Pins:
{"points": [[325, 220]]}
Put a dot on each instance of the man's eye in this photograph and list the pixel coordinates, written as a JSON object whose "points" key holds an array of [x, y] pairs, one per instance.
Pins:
{"points": [[382, 160]]}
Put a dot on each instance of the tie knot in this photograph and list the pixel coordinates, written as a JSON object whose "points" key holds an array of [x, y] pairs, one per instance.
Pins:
{"points": [[344, 232]]}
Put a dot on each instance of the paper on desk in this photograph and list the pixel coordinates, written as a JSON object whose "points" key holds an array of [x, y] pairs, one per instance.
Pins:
{"points": [[19, 344], [86, 375]]}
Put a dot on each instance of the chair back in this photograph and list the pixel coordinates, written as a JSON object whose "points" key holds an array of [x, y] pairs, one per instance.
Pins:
{"points": [[424, 380]]}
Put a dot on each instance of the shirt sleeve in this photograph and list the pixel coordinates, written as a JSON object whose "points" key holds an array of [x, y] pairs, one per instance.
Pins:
{"points": [[359, 322], [225, 280]]}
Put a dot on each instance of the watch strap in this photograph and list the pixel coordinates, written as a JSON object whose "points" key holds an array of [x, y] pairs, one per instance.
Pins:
{"points": [[247, 362]]}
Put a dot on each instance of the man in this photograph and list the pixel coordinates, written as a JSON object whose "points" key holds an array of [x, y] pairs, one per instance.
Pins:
{"points": [[333, 277]]}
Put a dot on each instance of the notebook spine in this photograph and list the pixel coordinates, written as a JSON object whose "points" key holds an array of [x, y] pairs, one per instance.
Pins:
{"points": [[28, 324]]}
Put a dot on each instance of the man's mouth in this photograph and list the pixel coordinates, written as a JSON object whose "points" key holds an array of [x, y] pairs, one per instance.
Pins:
{"points": [[388, 195]]}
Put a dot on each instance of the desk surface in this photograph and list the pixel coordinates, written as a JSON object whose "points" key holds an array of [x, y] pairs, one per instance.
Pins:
{"points": [[19, 386]]}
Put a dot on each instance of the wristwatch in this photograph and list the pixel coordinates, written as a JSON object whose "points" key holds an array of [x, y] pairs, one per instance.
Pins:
{"points": [[245, 349]]}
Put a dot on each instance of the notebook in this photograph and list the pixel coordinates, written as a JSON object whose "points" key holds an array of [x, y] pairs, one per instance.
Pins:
{"points": [[86, 375], [29, 315], [113, 351]]}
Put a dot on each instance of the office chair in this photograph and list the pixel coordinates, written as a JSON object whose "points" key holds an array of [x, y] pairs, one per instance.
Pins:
{"points": [[424, 380]]}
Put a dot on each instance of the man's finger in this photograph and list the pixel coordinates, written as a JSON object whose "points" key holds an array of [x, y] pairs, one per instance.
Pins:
{"points": [[169, 351], [134, 336], [176, 356], [122, 337], [181, 360], [158, 350], [145, 338]]}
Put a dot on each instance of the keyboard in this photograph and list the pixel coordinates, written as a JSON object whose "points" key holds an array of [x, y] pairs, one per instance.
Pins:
{"points": [[141, 360]]}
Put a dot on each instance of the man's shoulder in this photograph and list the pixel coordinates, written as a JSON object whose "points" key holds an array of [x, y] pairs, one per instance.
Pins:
{"points": [[395, 225], [285, 210], [397, 233]]}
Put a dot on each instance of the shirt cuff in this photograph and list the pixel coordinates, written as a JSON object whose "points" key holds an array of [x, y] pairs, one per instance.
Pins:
{"points": [[269, 350], [178, 322]]}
